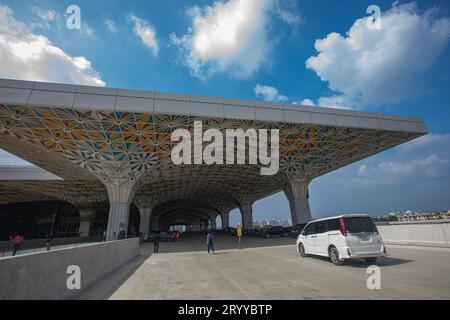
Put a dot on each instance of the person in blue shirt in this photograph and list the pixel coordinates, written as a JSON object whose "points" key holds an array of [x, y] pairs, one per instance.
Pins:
{"points": [[209, 242]]}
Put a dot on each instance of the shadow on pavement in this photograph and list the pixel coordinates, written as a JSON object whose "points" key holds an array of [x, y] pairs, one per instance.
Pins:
{"points": [[360, 263], [106, 286], [221, 242]]}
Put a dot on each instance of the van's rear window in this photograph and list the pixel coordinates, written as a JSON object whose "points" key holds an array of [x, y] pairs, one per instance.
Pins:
{"points": [[359, 224]]}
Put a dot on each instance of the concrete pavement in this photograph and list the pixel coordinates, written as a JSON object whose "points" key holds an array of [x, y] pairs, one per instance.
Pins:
{"points": [[271, 269]]}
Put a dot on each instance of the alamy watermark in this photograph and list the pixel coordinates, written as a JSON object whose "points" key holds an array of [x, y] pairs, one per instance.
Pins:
{"points": [[74, 280], [192, 150], [73, 21], [374, 21], [374, 280]]}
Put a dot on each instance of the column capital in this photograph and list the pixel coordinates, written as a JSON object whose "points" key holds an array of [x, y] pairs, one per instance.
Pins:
{"points": [[296, 192], [145, 211], [247, 215], [297, 188], [225, 212], [245, 203], [213, 214], [120, 191]]}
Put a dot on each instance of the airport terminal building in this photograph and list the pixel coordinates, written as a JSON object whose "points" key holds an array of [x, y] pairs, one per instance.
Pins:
{"points": [[104, 156]]}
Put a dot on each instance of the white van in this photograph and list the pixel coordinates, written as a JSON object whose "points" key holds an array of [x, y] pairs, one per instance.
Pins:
{"points": [[349, 236]]}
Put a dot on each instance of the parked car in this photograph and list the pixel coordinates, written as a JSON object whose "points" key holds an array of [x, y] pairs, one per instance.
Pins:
{"points": [[342, 237], [176, 235], [253, 232], [273, 232], [150, 237], [297, 229], [165, 237], [288, 229], [229, 230]]}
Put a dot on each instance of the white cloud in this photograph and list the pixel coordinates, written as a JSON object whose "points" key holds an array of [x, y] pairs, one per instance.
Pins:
{"points": [[269, 93], [25, 55], [426, 141], [428, 158], [110, 25], [46, 15], [226, 37], [394, 172], [336, 101], [434, 165], [362, 169], [286, 12], [423, 163], [306, 102], [370, 66], [87, 29], [146, 33]]}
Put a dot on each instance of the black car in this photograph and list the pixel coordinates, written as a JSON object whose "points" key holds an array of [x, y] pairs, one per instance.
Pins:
{"points": [[150, 237], [297, 229], [274, 232], [252, 232], [163, 237]]}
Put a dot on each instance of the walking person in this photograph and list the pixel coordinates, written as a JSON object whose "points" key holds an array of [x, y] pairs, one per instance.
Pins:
{"points": [[104, 235], [17, 241], [156, 243], [239, 235], [209, 242], [50, 241]]}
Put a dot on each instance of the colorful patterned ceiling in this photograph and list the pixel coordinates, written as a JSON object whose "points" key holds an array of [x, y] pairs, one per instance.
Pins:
{"points": [[89, 145]]}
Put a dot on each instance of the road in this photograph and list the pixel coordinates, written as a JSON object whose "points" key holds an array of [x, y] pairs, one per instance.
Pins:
{"points": [[271, 269]]}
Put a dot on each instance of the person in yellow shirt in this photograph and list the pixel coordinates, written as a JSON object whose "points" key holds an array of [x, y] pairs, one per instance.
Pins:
{"points": [[239, 235]]}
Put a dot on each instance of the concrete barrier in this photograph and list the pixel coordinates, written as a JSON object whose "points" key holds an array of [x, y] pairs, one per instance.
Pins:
{"points": [[7, 246], [43, 275], [419, 233]]}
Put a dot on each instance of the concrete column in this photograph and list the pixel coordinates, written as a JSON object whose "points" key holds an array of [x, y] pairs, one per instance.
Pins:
{"points": [[213, 222], [145, 214], [297, 194], [120, 196], [86, 217], [247, 216], [225, 219]]}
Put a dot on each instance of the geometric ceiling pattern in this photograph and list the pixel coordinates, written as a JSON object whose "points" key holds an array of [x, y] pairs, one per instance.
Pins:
{"points": [[79, 193], [108, 146]]}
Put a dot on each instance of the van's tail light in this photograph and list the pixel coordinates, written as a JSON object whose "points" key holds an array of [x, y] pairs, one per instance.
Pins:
{"points": [[342, 226]]}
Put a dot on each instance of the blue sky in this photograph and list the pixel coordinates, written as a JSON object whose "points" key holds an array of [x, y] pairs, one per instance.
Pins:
{"points": [[312, 52]]}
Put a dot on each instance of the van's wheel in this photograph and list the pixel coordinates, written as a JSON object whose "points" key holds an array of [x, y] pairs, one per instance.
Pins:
{"points": [[301, 250], [334, 256], [371, 260]]}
